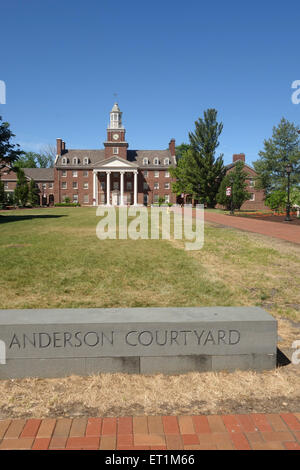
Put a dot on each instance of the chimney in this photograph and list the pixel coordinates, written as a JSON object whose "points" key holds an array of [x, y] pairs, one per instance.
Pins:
{"points": [[63, 146], [172, 147], [238, 156], [58, 146]]}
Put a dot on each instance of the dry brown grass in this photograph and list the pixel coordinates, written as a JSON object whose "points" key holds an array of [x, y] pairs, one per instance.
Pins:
{"points": [[125, 395]]}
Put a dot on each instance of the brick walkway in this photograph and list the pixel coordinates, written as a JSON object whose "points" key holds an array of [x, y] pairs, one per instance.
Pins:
{"points": [[243, 432], [287, 232]]}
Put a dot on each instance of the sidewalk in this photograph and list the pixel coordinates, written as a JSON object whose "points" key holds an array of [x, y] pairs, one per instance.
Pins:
{"points": [[272, 229], [255, 431]]}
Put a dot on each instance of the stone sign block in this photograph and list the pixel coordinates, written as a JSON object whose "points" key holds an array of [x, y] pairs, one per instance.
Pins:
{"points": [[60, 342]]}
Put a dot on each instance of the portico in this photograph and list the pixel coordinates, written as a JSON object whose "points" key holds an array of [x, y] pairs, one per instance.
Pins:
{"points": [[112, 174]]}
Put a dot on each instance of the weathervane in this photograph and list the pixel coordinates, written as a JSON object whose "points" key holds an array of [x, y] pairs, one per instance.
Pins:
{"points": [[115, 95]]}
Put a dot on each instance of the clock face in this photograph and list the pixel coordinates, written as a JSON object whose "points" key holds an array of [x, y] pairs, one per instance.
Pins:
{"points": [[115, 136]]}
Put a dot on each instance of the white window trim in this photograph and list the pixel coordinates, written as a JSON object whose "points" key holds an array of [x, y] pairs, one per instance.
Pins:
{"points": [[156, 174]]}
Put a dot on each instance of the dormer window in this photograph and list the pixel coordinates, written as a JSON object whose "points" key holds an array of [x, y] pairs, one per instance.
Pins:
{"points": [[156, 161], [145, 161], [86, 161], [64, 161], [166, 161], [75, 161]]}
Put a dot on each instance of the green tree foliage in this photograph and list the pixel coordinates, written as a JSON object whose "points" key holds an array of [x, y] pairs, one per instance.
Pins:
{"points": [[27, 160], [295, 196], [33, 194], [181, 149], [3, 199], [9, 152], [199, 172], [236, 179], [277, 200], [21, 190], [282, 148]]}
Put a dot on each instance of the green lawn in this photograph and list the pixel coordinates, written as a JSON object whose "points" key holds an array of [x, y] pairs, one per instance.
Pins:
{"points": [[52, 258]]}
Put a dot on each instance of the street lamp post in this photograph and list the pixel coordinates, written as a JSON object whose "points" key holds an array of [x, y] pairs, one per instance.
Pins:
{"points": [[288, 170]]}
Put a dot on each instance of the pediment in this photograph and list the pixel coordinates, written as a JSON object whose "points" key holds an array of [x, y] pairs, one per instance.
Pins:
{"points": [[115, 162]]}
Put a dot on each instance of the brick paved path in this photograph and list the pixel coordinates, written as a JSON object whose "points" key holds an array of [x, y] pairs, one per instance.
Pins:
{"points": [[242, 432], [287, 232]]}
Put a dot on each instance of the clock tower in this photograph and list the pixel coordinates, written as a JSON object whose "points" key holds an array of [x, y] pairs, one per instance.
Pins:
{"points": [[115, 145]]}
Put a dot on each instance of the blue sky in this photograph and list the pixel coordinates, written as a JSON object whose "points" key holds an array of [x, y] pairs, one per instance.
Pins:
{"points": [[168, 61]]}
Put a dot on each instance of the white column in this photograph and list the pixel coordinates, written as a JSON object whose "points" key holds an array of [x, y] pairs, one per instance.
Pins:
{"points": [[135, 188], [95, 192], [108, 188], [122, 188]]}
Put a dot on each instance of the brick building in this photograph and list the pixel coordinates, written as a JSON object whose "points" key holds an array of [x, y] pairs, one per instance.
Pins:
{"points": [[43, 177], [257, 196], [114, 175]]}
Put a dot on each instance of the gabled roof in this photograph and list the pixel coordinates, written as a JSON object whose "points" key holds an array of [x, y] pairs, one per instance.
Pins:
{"points": [[40, 174], [231, 165]]}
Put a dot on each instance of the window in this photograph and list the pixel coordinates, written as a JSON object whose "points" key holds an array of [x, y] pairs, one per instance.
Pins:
{"points": [[74, 174], [252, 197], [86, 199], [167, 185], [5, 184], [64, 161], [115, 150], [251, 183], [86, 161], [75, 198], [116, 174], [145, 186], [167, 174], [116, 185], [145, 173], [145, 161], [50, 185], [64, 185], [156, 161], [167, 198], [74, 185], [85, 174], [64, 173], [75, 161], [85, 185], [166, 161], [64, 197], [156, 174], [129, 185], [102, 185], [156, 185], [155, 198]]}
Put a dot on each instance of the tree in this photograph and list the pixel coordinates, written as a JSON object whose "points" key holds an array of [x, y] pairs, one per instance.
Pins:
{"points": [[47, 156], [33, 194], [28, 160], [277, 200], [236, 179], [21, 190], [9, 152], [181, 149], [282, 148], [199, 171], [3, 199]]}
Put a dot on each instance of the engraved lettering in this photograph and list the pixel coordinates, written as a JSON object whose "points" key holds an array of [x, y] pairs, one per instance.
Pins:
{"points": [[45, 345], [91, 343], [150, 339], [199, 337], [67, 338], [30, 341], [126, 338], [78, 333], [209, 337], [165, 340], [15, 341], [174, 335], [221, 336], [238, 336]]}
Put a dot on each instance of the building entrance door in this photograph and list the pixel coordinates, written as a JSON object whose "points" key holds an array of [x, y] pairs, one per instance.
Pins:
{"points": [[115, 198]]}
